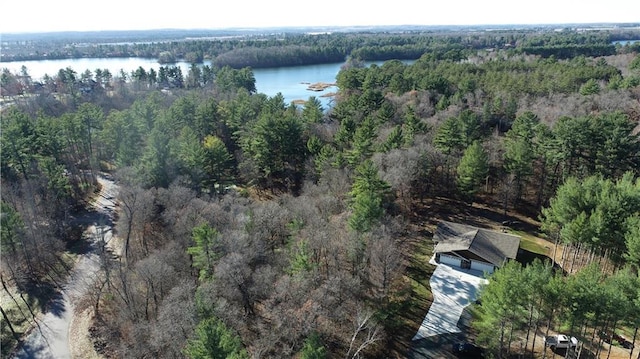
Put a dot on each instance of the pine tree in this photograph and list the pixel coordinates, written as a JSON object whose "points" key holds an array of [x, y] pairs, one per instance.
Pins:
{"points": [[206, 251], [214, 340], [216, 163], [472, 170], [519, 145], [503, 307], [313, 348], [369, 194]]}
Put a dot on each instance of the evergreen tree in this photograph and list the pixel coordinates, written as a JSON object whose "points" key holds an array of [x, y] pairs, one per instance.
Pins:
{"points": [[412, 126], [448, 136], [590, 87], [206, 251], [503, 307], [11, 228], [470, 127], [363, 140], [190, 156], [278, 148], [313, 348], [18, 135], [520, 149], [369, 194], [301, 259], [344, 135], [155, 166], [367, 208], [632, 240], [216, 163], [312, 112], [395, 140], [214, 340], [472, 169], [594, 212]]}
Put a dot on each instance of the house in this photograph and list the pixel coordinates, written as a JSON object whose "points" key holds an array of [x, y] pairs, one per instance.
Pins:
{"points": [[470, 247]]}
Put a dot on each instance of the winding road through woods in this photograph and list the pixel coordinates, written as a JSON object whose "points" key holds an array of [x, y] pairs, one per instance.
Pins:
{"points": [[50, 340]]}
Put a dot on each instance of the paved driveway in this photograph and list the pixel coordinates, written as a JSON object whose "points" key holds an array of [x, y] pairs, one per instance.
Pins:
{"points": [[453, 289]]}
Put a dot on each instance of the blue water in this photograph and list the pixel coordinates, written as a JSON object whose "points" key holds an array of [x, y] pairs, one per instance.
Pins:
{"points": [[291, 82], [625, 42]]}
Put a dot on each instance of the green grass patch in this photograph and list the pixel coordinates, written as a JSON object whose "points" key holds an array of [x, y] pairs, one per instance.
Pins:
{"points": [[532, 244], [532, 248], [412, 297], [421, 291], [20, 317], [535, 247], [419, 273]]}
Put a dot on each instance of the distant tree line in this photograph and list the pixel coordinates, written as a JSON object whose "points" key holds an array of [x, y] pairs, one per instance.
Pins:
{"points": [[287, 49]]}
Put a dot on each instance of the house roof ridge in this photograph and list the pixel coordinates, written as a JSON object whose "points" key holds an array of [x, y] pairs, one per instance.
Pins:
{"points": [[491, 245], [501, 233]]}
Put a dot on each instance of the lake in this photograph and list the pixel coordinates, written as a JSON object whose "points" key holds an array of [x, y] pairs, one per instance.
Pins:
{"points": [[292, 82], [625, 42]]}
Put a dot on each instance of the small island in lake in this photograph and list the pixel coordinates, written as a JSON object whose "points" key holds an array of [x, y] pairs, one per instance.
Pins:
{"points": [[320, 86]]}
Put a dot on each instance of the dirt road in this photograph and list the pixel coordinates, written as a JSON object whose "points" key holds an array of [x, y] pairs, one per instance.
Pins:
{"points": [[51, 341]]}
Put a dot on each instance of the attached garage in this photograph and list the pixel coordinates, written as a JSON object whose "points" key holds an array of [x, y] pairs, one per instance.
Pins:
{"points": [[463, 246], [482, 267], [450, 260]]}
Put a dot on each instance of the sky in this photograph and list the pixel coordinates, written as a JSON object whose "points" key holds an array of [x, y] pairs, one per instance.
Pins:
{"points": [[83, 15]]}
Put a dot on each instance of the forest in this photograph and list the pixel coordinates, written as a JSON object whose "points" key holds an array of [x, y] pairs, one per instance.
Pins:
{"points": [[306, 46], [251, 227]]}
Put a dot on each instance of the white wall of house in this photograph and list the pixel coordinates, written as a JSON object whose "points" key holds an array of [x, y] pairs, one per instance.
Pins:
{"points": [[457, 262], [482, 266], [450, 260]]}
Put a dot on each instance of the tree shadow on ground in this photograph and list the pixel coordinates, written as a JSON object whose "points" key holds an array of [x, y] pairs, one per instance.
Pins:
{"points": [[30, 350], [441, 346], [77, 240], [527, 257], [413, 299], [437, 346], [55, 305], [46, 295]]}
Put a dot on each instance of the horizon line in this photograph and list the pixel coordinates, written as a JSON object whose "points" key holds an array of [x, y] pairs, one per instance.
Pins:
{"points": [[250, 28]]}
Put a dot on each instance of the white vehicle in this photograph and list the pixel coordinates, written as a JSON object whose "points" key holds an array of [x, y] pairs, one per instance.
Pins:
{"points": [[560, 341]]}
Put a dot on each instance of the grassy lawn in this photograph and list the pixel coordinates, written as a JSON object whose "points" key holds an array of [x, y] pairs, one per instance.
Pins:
{"points": [[528, 243], [532, 247], [406, 310]]}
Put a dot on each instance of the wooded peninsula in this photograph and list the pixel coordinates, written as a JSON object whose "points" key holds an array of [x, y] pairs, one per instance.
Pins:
{"points": [[250, 227]]}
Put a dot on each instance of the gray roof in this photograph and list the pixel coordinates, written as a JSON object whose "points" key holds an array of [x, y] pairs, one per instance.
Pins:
{"points": [[494, 247]]}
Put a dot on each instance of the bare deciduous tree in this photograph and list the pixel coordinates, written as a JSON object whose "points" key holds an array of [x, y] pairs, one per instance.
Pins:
{"points": [[177, 318], [402, 169], [136, 209], [385, 262], [365, 333], [234, 276], [269, 222], [157, 278]]}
